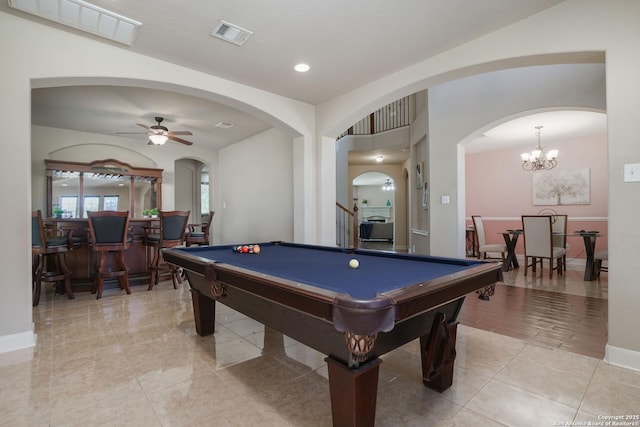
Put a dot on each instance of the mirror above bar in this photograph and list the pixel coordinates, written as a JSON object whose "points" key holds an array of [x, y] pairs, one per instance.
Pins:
{"points": [[74, 188]]}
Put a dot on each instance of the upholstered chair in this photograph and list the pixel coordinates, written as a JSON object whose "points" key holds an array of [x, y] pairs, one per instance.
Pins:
{"points": [[600, 257], [48, 258], [485, 248], [109, 237], [169, 233], [538, 244], [198, 234]]}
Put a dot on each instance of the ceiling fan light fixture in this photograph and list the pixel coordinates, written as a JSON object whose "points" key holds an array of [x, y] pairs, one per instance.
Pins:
{"points": [[158, 139]]}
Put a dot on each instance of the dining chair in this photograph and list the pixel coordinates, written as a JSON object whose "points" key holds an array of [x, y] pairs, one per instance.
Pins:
{"points": [[600, 258], [109, 235], [485, 248], [48, 258], [170, 233], [538, 244], [559, 229], [198, 234]]}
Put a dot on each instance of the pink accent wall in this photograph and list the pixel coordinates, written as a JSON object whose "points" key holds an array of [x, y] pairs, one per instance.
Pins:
{"points": [[499, 190]]}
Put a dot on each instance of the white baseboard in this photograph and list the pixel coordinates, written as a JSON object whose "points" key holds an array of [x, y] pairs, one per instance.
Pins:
{"points": [[17, 341], [622, 357]]}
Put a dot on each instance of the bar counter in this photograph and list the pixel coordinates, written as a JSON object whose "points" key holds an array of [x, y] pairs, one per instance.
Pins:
{"points": [[79, 259]]}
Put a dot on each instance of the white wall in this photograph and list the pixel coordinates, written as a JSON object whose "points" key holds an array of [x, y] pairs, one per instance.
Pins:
{"points": [[257, 198]]}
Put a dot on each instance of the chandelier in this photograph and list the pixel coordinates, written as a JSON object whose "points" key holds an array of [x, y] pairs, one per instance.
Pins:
{"points": [[388, 186], [538, 160]]}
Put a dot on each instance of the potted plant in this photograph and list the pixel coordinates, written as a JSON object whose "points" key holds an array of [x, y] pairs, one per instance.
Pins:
{"points": [[146, 213], [153, 212], [364, 202], [57, 212]]}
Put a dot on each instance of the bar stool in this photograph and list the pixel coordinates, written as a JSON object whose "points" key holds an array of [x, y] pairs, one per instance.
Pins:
{"points": [[198, 234], [48, 258], [108, 234], [170, 234]]}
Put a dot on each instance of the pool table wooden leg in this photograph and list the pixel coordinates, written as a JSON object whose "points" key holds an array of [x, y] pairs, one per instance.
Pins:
{"points": [[204, 313], [353, 392], [438, 350]]}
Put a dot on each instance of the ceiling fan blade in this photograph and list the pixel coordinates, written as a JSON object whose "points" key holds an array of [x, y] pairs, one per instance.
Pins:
{"points": [[180, 132], [131, 133], [144, 126], [180, 140]]}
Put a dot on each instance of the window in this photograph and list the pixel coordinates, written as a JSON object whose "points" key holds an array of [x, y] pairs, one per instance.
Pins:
{"points": [[91, 204], [69, 205], [204, 191], [111, 203]]}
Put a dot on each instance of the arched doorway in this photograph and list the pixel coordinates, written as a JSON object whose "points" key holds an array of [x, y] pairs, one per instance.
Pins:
{"points": [[374, 196], [192, 189]]}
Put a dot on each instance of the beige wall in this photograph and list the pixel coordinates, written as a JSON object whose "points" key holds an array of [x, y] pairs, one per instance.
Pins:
{"points": [[565, 33], [574, 31]]}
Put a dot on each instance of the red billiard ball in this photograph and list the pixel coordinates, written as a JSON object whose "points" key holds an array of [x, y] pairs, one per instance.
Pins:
{"points": [[245, 249]]}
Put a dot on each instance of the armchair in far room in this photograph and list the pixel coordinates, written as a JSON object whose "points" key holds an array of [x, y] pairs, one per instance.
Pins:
{"points": [[198, 234], [538, 244], [483, 247], [169, 234]]}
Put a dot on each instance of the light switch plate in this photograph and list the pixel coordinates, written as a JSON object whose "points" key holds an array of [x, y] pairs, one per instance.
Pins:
{"points": [[632, 172], [445, 200]]}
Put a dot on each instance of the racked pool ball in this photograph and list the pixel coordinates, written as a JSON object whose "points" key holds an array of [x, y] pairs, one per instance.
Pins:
{"points": [[353, 263], [245, 249], [256, 249]]}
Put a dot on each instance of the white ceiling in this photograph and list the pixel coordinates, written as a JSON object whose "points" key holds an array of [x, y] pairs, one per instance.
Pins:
{"points": [[346, 43], [557, 126]]}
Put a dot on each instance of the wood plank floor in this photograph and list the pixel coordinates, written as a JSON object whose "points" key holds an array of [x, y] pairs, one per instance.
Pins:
{"points": [[568, 322], [562, 312]]}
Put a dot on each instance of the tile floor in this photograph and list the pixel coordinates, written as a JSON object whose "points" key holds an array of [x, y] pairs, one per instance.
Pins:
{"points": [[136, 360]]}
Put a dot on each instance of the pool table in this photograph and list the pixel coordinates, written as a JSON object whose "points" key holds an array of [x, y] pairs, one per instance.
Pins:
{"points": [[353, 315]]}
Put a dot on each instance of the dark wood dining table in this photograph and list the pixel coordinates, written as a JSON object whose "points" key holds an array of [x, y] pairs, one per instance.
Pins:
{"points": [[589, 238], [511, 239]]}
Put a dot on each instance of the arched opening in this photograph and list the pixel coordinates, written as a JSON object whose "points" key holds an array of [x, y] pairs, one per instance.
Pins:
{"points": [[374, 196]]}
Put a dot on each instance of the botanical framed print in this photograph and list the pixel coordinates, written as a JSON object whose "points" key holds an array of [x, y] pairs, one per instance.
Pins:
{"points": [[553, 188]]}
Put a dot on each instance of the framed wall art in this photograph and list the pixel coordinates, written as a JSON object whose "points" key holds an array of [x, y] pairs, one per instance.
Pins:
{"points": [[561, 188]]}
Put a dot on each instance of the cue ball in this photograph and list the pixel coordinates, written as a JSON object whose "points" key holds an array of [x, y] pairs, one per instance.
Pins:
{"points": [[354, 263]]}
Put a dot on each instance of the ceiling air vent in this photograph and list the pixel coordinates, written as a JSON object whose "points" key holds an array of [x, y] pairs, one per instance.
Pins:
{"points": [[231, 33], [224, 125]]}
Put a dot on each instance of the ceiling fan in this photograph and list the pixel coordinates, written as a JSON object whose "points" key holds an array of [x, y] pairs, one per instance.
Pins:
{"points": [[159, 134]]}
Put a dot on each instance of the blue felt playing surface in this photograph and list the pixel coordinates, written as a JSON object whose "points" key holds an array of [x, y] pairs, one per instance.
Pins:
{"points": [[329, 268]]}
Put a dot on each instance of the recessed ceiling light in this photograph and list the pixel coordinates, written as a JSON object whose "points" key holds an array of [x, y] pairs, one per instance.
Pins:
{"points": [[302, 68], [379, 159]]}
